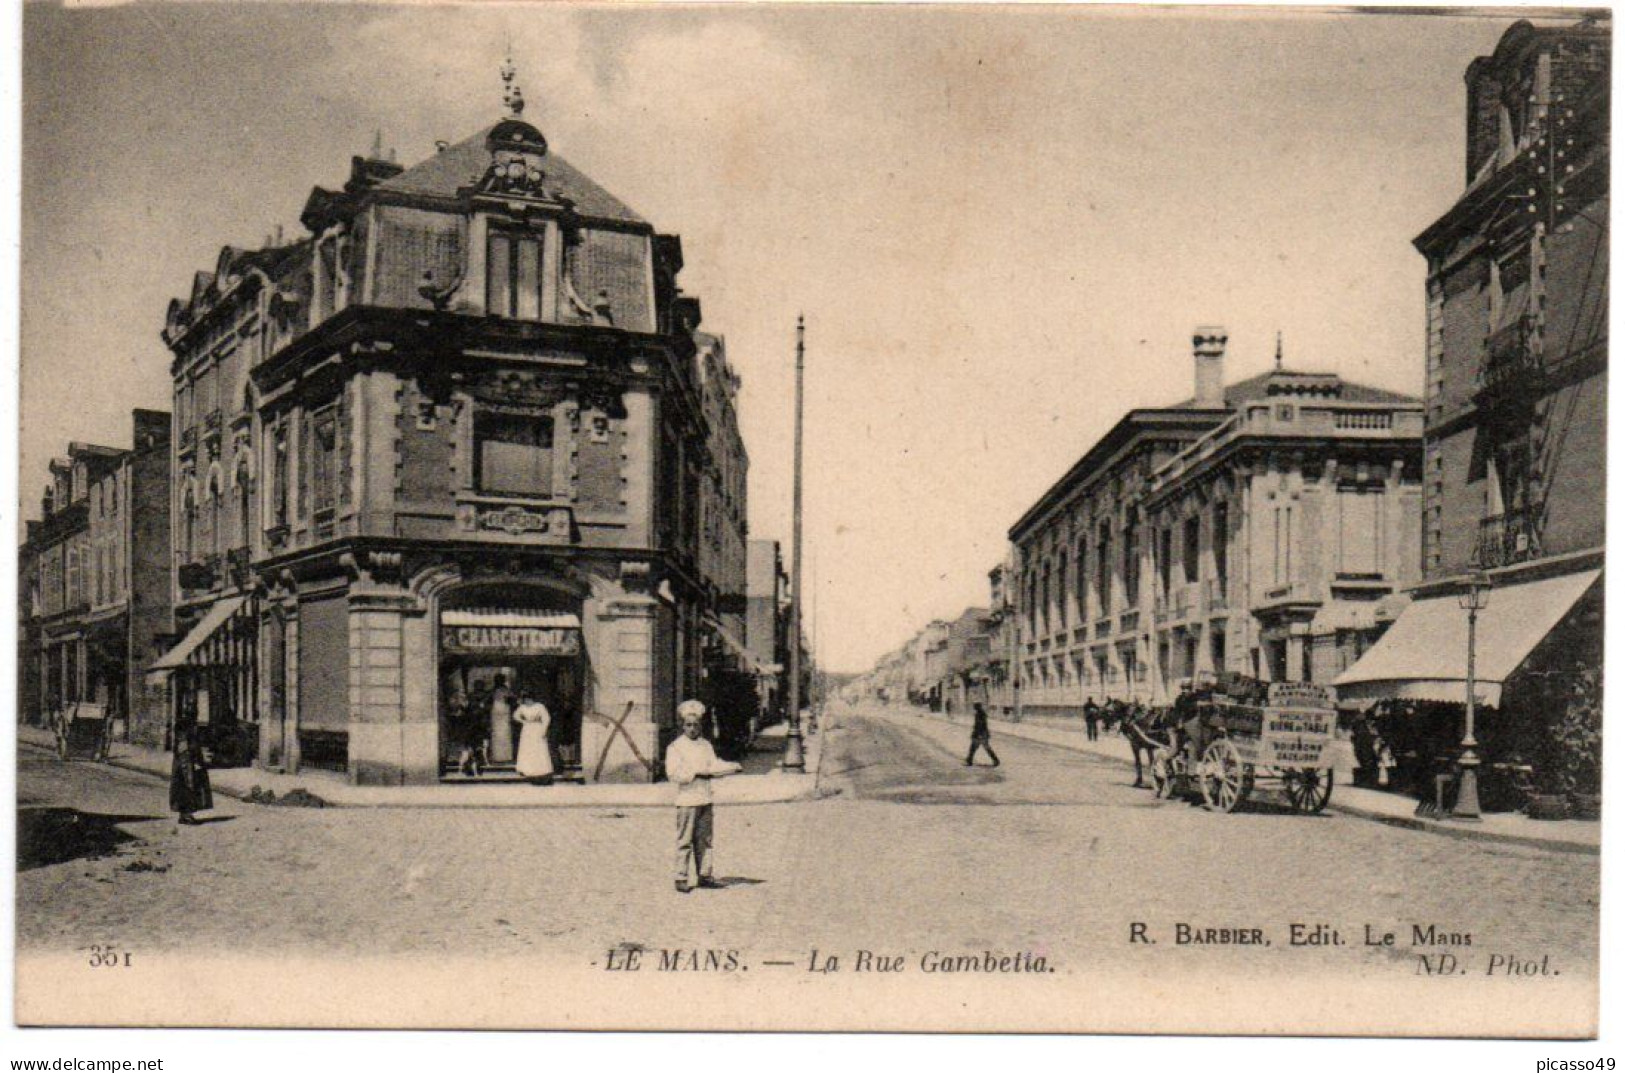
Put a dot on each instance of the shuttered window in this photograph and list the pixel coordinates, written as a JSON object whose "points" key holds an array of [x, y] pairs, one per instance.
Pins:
{"points": [[1359, 544]]}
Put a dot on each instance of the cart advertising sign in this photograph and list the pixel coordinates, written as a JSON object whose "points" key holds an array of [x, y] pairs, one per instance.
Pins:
{"points": [[1296, 737]]}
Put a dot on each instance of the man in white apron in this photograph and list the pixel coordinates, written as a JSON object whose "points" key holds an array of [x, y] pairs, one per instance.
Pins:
{"points": [[691, 764]]}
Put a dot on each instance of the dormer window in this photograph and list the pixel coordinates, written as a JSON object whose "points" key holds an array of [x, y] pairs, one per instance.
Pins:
{"points": [[513, 274]]}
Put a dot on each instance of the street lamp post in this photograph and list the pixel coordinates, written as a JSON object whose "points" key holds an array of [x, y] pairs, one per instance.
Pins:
{"points": [[794, 758], [1472, 601]]}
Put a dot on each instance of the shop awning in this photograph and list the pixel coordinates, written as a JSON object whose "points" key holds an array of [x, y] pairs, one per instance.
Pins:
{"points": [[510, 618], [745, 658], [181, 654], [1423, 656]]}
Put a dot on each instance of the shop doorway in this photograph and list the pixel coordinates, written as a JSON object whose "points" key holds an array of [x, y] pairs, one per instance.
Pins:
{"points": [[490, 657], [478, 696]]}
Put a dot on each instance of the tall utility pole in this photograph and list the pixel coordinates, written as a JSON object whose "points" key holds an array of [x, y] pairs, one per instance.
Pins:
{"points": [[793, 757]]}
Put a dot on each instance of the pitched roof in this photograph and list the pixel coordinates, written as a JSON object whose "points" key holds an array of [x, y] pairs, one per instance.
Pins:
{"points": [[459, 166], [1257, 387]]}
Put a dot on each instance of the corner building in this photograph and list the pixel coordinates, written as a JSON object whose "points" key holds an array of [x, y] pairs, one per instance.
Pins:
{"points": [[1515, 487], [456, 432]]}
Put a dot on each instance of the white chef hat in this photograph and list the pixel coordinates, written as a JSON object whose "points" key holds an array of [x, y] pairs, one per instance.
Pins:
{"points": [[691, 709]]}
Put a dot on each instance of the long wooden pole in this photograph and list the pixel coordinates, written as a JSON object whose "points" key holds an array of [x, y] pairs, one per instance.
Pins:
{"points": [[794, 760]]}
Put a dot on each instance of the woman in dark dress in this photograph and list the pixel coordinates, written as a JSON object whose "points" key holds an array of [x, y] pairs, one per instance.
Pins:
{"points": [[188, 777]]}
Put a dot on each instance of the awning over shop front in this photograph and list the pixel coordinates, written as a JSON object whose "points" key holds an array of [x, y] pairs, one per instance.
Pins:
{"points": [[1423, 656], [181, 654], [742, 654], [510, 618]]}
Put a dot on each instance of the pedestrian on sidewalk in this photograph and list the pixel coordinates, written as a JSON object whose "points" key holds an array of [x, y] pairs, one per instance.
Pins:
{"points": [[501, 739], [535, 759], [1091, 718], [472, 724], [691, 763], [189, 790], [980, 737]]}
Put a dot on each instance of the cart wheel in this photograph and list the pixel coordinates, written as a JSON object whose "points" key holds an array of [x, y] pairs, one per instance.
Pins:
{"points": [[1226, 780], [1307, 789]]}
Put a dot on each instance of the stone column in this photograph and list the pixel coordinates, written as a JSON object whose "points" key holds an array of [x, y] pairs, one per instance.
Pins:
{"points": [[394, 733], [619, 737]]}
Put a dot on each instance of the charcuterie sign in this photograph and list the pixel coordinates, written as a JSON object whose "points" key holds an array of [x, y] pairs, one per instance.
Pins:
{"points": [[520, 640]]}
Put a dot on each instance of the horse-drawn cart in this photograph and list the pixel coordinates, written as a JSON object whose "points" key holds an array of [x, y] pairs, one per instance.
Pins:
{"points": [[1283, 744]]}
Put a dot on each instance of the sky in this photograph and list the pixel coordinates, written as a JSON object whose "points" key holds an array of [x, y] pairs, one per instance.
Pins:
{"points": [[1000, 224]]}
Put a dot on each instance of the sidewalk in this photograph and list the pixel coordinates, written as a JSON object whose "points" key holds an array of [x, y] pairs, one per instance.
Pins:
{"points": [[1571, 836], [769, 787]]}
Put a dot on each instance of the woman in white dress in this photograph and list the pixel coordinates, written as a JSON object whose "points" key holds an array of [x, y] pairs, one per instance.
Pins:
{"points": [[535, 760]]}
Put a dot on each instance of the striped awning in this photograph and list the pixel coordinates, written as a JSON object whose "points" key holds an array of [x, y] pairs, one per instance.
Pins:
{"points": [[1423, 656], [510, 618], [183, 653]]}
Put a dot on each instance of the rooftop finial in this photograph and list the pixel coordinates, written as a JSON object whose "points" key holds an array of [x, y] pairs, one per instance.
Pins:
{"points": [[1277, 350], [512, 96]]}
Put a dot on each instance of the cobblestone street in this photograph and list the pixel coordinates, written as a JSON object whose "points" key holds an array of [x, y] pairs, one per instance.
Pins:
{"points": [[1053, 853]]}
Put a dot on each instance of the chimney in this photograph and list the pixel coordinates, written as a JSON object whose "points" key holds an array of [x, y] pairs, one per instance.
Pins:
{"points": [[1208, 346]]}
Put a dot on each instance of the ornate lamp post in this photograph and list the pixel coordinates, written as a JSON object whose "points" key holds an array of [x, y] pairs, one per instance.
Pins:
{"points": [[1472, 601]]}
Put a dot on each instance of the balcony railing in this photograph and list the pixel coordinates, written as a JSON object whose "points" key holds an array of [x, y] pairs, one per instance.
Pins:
{"points": [[1345, 420], [199, 575], [238, 570], [1103, 627], [1511, 366], [1507, 538], [1128, 621]]}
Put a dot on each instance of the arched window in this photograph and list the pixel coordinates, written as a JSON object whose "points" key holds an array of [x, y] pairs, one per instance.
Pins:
{"points": [[188, 522], [244, 479], [209, 519]]}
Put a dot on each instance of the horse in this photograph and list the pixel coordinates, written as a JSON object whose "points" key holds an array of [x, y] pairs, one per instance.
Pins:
{"points": [[1138, 726]]}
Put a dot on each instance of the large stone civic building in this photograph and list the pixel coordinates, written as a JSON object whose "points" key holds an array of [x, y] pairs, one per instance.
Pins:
{"points": [[1256, 528]]}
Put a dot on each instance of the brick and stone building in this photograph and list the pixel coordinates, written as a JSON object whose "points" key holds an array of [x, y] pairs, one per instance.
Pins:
{"points": [[95, 592], [1516, 399], [464, 428]]}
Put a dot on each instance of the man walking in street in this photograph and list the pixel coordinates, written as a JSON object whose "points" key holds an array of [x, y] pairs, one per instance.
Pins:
{"points": [[1091, 718], [691, 764], [980, 737]]}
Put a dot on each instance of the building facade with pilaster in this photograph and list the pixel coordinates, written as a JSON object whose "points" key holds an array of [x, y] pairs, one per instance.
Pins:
{"points": [[1515, 477], [95, 590], [1194, 538], [455, 439]]}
